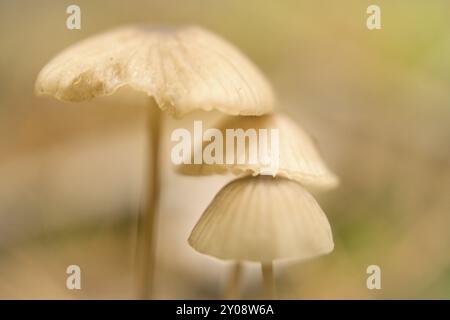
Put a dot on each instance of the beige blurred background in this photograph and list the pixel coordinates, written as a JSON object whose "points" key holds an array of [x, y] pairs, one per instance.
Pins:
{"points": [[377, 102]]}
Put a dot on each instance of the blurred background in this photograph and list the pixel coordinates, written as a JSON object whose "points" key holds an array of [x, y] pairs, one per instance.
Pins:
{"points": [[377, 103]]}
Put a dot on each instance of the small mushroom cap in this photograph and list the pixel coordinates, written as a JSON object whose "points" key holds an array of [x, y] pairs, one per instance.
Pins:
{"points": [[299, 158], [262, 219], [184, 69]]}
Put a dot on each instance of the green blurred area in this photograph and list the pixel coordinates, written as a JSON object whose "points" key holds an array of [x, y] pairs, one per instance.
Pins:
{"points": [[377, 103]]}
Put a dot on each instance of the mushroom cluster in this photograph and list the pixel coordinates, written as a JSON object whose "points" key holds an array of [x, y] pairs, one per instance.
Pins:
{"points": [[267, 215], [254, 218]]}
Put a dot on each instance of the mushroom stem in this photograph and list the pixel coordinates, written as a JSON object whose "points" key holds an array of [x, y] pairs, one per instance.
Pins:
{"points": [[268, 281], [148, 219], [232, 286]]}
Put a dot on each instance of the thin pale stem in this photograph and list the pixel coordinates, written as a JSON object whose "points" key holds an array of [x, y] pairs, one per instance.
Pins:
{"points": [[148, 219], [232, 286], [268, 280]]}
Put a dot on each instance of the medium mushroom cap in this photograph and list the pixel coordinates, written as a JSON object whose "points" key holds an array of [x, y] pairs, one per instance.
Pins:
{"points": [[262, 219], [299, 158], [184, 69]]}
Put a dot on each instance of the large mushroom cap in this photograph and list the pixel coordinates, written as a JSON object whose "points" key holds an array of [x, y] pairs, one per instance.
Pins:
{"points": [[299, 158], [183, 69], [262, 219]]}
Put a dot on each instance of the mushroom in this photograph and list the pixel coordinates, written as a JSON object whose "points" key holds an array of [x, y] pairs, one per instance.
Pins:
{"points": [[182, 69], [262, 219], [298, 160]]}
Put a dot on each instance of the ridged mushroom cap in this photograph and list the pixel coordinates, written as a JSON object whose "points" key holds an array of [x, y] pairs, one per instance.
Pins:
{"points": [[299, 158], [184, 69], [262, 219]]}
